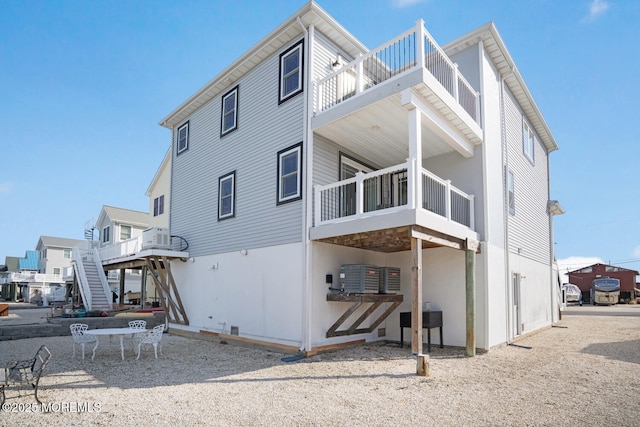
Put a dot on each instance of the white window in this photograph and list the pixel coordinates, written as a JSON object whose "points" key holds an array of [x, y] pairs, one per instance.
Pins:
{"points": [[527, 141], [56, 271], [158, 205], [289, 174], [226, 196], [229, 112], [291, 72], [125, 232], [511, 196], [105, 234], [66, 253], [183, 138]]}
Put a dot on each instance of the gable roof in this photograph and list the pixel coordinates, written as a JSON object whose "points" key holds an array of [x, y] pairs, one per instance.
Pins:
{"points": [[124, 216], [590, 267], [161, 168], [57, 242], [504, 63], [291, 28], [12, 263], [29, 262]]}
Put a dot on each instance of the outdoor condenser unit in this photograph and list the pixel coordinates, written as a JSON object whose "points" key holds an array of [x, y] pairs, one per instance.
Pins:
{"points": [[389, 280], [359, 278], [156, 238]]}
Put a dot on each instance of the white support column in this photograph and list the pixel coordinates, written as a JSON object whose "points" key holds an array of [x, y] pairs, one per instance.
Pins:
{"points": [[359, 75], [420, 42], [359, 194], [415, 152]]}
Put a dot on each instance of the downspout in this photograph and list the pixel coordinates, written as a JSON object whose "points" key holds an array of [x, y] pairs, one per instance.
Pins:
{"points": [[307, 150]]}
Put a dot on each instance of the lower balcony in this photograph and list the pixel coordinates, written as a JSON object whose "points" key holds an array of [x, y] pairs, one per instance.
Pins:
{"points": [[380, 210]]}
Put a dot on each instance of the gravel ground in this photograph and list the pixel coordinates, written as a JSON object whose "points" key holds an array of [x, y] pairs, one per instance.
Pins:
{"points": [[583, 372]]}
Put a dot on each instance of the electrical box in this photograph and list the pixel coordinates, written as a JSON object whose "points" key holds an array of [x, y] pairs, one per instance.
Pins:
{"points": [[359, 278], [156, 238], [389, 280]]}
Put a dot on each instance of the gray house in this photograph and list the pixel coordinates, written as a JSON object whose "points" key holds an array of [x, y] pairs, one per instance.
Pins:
{"points": [[311, 157]]}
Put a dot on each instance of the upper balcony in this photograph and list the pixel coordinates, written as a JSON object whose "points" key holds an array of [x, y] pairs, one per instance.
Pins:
{"points": [[370, 90]]}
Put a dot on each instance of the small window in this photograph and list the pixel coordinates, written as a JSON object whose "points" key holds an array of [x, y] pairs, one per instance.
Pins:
{"points": [[66, 253], [226, 196], [158, 205], [125, 232], [527, 141], [229, 112], [511, 193], [105, 234], [56, 271], [291, 72], [183, 138], [289, 174]]}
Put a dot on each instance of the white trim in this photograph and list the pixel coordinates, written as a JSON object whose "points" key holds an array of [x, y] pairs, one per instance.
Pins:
{"points": [[297, 50], [297, 173], [232, 195], [184, 126], [223, 113]]}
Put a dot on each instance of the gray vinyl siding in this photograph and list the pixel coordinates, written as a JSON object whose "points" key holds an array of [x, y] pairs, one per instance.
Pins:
{"points": [[325, 52], [264, 128], [529, 227]]}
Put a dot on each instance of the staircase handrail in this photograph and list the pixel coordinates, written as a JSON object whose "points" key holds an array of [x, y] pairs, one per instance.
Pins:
{"points": [[83, 284], [101, 275]]}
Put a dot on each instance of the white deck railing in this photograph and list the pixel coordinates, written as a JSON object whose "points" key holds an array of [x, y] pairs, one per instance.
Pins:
{"points": [[121, 249], [388, 190], [414, 48], [32, 277]]}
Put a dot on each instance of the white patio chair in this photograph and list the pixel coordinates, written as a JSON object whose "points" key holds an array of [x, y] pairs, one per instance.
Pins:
{"points": [[136, 324], [79, 335], [153, 337]]}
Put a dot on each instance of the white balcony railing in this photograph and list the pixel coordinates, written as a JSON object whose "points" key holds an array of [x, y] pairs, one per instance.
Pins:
{"points": [[32, 277], [121, 249], [388, 190], [414, 48]]}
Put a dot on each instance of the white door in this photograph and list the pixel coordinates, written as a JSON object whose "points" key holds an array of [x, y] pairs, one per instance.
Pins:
{"points": [[516, 315]]}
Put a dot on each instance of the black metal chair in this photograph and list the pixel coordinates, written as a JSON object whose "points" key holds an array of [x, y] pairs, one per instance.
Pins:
{"points": [[24, 372]]}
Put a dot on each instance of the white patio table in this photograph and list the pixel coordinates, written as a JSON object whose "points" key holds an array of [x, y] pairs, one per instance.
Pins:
{"points": [[113, 331]]}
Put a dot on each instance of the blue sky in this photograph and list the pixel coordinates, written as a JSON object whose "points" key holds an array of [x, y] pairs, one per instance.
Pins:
{"points": [[83, 85]]}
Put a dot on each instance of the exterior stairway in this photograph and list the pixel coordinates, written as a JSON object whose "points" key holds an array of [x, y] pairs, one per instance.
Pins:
{"points": [[92, 288]]}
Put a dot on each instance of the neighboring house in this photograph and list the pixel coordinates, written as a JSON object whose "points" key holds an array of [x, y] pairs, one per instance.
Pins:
{"points": [[9, 287], [55, 255], [310, 152], [25, 280], [121, 228], [116, 225], [583, 278], [159, 194]]}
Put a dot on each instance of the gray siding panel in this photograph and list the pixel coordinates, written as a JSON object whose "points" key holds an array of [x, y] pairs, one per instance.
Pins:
{"points": [[529, 227], [264, 128]]}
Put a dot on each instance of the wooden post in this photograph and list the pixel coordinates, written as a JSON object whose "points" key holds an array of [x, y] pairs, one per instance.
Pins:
{"points": [[121, 300], [422, 367], [416, 296], [143, 286], [470, 282]]}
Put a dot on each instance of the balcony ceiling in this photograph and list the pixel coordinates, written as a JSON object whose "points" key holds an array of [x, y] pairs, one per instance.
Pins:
{"points": [[379, 132]]}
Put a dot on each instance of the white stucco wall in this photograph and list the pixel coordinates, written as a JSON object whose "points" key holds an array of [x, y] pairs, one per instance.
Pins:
{"points": [[261, 292]]}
